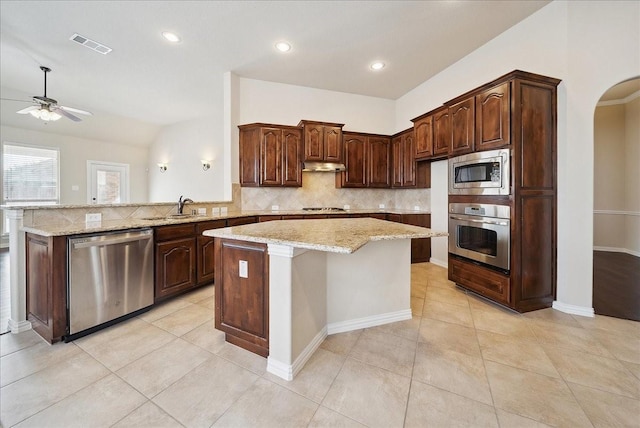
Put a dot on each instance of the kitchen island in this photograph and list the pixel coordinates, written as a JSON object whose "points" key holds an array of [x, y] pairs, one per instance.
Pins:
{"points": [[288, 284]]}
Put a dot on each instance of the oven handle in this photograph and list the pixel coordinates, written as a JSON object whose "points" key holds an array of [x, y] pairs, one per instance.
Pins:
{"points": [[498, 223]]}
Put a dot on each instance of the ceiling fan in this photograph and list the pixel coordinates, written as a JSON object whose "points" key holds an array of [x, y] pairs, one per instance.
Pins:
{"points": [[47, 109]]}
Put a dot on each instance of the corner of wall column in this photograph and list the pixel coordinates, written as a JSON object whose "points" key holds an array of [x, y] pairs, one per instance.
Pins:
{"points": [[231, 122], [17, 271]]}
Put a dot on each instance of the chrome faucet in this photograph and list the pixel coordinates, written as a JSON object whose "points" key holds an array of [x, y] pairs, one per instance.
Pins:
{"points": [[181, 203]]}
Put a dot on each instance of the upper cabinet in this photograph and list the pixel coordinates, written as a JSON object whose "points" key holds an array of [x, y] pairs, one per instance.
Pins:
{"points": [[270, 155], [462, 117], [367, 160], [404, 162], [322, 141], [423, 132], [493, 124]]}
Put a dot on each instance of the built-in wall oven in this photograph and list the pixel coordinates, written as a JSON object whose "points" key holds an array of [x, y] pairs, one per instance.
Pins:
{"points": [[481, 232], [481, 173]]}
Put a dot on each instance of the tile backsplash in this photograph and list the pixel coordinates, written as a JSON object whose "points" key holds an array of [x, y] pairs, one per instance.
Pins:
{"points": [[319, 190]]}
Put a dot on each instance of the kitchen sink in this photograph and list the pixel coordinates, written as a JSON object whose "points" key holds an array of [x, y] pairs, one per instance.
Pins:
{"points": [[169, 217]]}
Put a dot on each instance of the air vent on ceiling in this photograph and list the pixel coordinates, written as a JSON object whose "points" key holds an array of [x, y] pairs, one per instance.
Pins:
{"points": [[91, 44]]}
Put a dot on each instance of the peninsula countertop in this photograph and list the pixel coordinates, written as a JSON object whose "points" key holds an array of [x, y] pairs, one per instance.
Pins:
{"points": [[343, 235]]}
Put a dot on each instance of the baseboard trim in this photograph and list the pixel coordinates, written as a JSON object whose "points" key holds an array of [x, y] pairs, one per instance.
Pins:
{"points": [[440, 263], [16, 327], [573, 309], [288, 371], [372, 321], [617, 250]]}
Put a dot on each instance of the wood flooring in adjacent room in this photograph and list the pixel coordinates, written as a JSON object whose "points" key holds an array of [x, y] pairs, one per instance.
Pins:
{"points": [[616, 285]]}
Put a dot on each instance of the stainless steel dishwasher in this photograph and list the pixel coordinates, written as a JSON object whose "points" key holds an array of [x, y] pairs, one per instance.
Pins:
{"points": [[110, 276]]}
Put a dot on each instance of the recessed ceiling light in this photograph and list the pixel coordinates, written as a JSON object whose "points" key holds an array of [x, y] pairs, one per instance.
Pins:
{"points": [[283, 46], [172, 37], [378, 65]]}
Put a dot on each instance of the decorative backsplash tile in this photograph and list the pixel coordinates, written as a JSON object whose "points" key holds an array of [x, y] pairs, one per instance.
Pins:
{"points": [[319, 190]]}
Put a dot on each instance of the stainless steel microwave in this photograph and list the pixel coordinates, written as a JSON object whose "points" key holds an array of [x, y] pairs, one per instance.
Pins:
{"points": [[481, 173]]}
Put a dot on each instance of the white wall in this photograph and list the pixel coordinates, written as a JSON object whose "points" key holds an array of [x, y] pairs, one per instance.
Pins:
{"points": [[288, 104], [632, 181], [590, 46], [182, 146], [74, 153]]}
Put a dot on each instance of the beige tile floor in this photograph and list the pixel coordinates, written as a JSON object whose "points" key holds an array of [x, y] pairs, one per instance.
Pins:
{"points": [[460, 361]]}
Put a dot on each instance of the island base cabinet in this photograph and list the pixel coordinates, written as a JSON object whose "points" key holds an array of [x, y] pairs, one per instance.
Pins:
{"points": [[46, 280], [242, 294]]}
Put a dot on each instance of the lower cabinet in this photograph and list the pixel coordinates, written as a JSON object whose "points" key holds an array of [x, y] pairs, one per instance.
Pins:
{"points": [[46, 285], [494, 285], [421, 247], [242, 294]]}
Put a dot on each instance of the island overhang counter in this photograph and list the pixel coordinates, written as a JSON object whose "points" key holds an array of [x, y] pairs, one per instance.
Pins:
{"points": [[283, 286]]}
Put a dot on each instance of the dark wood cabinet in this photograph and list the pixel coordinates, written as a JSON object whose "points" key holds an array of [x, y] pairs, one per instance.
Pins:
{"points": [[420, 247], [379, 161], [423, 132], [441, 132], [367, 159], [462, 117], [270, 155], [175, 260], [518, 110], [242, 297], [239, 221], [322, 141], [205, 267], [355, 161], [493, 117], [46, 285], [404, 163]]}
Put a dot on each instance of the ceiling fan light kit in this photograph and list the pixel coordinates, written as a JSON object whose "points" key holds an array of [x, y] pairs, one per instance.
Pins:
{"points": [[47, 109]]}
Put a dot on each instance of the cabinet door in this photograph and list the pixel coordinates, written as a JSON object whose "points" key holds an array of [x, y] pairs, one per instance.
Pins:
{"points": [[408, 160], [379, 161], [206, 254], [462, 127], [175, 267], [270, 157], [420, 247], [292, 157], [441, 132], [493, 117], [355, 161], [242, 298], [396, 154], [249, 157], [332, 144], [423, 130], [313, 142]]}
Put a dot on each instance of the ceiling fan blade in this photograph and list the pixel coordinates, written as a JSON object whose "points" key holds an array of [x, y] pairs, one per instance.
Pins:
{"points": [[66, 114], [13, 99], [28, 109], [75, 110]]}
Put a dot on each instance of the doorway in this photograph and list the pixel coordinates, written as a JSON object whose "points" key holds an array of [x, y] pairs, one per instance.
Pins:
{"points": [[616, 221], [107, 183]]}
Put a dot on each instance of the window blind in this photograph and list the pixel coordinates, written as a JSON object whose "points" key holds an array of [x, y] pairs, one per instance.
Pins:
{"points": [[30, 174]]}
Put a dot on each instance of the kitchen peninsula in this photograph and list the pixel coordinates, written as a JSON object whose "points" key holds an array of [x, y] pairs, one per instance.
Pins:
{"points": [[287, 284]]}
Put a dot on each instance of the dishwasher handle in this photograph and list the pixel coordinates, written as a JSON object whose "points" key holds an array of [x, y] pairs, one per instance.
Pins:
{"points": [[115, 240]]}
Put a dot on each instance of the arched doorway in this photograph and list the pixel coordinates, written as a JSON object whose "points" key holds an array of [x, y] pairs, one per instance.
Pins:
{"points": [[616, 256]]}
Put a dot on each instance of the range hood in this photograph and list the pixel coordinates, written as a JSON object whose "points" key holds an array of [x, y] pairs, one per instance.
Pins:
{"points": [[323, 167]]}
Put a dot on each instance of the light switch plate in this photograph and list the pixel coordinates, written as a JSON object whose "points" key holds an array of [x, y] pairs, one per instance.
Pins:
{"points": [[244, 269], [92, 218], [223, 210], [416, 208], [347, 207], [381, 206]]}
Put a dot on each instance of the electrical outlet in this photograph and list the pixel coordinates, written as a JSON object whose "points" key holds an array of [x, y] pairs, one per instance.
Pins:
{"points": [[381, 206], [223, 210], [347, 207], [275, 207], [244, 269], [215, 211], [202, 211], [92, 218], [416, 208]]}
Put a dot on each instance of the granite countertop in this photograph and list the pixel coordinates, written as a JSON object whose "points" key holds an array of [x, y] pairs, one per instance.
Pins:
{"points": [[343, 235], [52, 229]]}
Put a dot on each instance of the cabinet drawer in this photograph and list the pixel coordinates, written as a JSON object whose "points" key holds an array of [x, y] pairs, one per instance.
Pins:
{"points": [[165, 233], [482, 280]]}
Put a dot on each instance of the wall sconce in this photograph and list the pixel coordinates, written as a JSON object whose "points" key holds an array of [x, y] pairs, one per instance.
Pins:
{"points": [[206, 164], [162, 166]]}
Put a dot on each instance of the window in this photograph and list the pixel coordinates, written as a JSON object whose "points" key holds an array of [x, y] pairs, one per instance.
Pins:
{"points": [[30, 175]]}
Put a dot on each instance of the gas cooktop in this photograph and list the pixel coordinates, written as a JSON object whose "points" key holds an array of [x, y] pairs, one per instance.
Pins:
{"points": [[323, 209]]}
